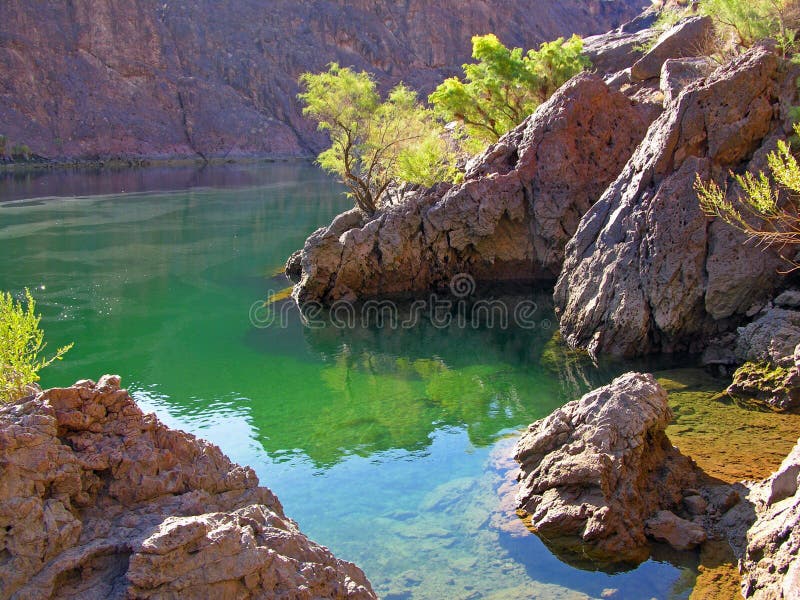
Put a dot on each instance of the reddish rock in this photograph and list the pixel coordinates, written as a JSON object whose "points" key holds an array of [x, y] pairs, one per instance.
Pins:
{"points": [[99, 500], [146, 78], [510, 219], [596, 469], [647, 271], [771, 563]]}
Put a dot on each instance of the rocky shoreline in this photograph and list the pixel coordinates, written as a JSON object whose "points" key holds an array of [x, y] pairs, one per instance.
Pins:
{"points": [[595, 190], [100, 500], [599, 478]]}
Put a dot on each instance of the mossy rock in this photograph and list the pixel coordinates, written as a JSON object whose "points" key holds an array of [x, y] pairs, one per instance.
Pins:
{"points": [[766, 385]]}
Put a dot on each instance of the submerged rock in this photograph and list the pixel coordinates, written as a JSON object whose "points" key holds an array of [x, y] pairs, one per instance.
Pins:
{"points": [[681, 534], [511, 218], [594, 471], [771, 562], [100, 500], [647, 271]]}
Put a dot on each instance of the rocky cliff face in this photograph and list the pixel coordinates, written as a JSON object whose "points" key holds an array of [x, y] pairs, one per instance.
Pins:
{"points": [[647, 271], [98, 78], [511, 218], [99, 500]]}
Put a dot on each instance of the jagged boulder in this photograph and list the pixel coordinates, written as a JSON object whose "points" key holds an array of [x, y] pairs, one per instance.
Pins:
{"points": [[616, 50], [595, 470], [771, 337], [647, 271], [686, 38], [677, 73], [99, 500], [510, 219], [771, 563]]}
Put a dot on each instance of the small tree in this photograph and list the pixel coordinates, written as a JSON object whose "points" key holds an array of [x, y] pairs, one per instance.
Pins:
{"points": [[767, 208], [752, 20], [374, 144], [21, 345], [505, 86]]}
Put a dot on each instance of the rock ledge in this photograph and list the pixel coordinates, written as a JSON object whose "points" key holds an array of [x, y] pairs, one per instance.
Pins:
{"points": [[99, 500]]}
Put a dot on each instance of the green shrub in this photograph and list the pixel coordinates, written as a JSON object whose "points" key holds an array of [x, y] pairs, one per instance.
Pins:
{"points": [[375, 144], [767, 207], [752, 20], [21, 345], [505, 86]]}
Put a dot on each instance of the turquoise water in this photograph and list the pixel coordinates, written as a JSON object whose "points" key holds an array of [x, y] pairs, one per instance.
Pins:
{"points": [[386, 445]]}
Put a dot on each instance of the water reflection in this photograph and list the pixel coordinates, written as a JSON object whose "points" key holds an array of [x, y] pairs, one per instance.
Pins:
{"points": [[94, 181]]}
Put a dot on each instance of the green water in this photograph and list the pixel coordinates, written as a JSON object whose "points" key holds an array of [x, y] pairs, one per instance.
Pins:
{"points": [[382, 443]]}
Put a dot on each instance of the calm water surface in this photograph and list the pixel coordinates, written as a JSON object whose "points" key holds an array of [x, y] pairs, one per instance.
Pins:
{"points": [[383, 444]]}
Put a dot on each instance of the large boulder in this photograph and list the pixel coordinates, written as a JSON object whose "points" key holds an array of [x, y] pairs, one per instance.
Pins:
{"points": [[510, 219], [771, 563], [647, 271], [771, 337], [99, 500], [686, 38], [595, 471]]}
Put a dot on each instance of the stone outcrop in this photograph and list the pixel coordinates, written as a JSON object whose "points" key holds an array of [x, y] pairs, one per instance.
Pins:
{"points": [[99, 500], [511, 218], [601, 472], [775, 386], [97, 79], [771, 562], [677, 73], [689, 37], [647, 271], [771, 337]]}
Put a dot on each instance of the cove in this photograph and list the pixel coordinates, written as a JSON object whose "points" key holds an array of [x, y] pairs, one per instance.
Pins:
{"points": [[385, 445]]}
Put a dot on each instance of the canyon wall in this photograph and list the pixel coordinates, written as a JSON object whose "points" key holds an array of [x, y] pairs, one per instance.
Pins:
{"points": [[97, 79]]}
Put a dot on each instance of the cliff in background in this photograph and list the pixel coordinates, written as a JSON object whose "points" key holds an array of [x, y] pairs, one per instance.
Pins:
{"points": [[96, 79]]}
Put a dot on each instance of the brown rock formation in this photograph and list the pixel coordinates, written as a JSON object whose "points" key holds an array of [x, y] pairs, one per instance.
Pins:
{"points": [[647, 271], [99, 500], [771, 562], [687, 38], [596, 469], [511, 218], [145, 78]]}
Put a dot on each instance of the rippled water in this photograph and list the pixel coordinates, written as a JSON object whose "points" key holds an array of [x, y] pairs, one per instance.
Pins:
{"points": [[386, 445]]}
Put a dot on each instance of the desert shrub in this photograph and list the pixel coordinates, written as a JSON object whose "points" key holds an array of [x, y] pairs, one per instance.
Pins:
{"points": [[375, 144], [752, 20], [505, 85], [766, 209], [21, 346]]}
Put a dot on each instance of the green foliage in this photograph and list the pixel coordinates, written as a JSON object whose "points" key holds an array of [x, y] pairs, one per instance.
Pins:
{"points": [[505, 86], [767, 207], [3, 144], [20, 151], [21, 345], [752, 20], [374, 144]]}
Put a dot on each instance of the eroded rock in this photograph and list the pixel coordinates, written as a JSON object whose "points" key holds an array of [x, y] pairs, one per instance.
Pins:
{"points": [[771, 563], [647, 271], [100, 500], [596, 469], [681, 534], [677, 73], [511, 218], [686, 38]]}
